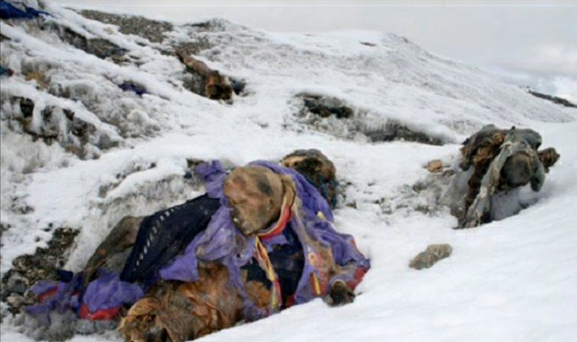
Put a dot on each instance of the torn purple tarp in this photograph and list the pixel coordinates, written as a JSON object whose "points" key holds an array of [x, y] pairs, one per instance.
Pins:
{"points": [[221, 241], [108, 292], [55, 296]]}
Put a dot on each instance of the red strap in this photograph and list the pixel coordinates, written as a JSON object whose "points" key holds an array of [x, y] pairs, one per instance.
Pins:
{"points": [[48, 294], [357, 277], [100, 315], [285, 216]]}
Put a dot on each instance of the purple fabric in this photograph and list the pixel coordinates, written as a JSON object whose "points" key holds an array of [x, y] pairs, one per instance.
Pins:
{"points": [[221, 241], [311, 198], [108, 291], [213, 174], [321, 230], [65, 298], [342, 245]]}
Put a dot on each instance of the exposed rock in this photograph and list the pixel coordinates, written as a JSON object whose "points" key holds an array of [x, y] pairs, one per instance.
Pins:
{"points": [[320, 106], [98, 47], [26, 106], [29, 269], [555, 99], [334, 116], [395, 131], [430, 256], [56, 124], [153, 30], [435, 166]]}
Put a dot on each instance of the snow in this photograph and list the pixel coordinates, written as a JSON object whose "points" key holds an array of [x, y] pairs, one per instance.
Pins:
{"points": [[510, 280]]}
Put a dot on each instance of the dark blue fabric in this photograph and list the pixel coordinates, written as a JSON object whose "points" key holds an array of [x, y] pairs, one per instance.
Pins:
{"points": [[9, 11], [287, 259], [165, 234], [135, 88], [6, 71]]}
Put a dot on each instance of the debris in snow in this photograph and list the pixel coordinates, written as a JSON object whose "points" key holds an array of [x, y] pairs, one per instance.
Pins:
{"points": [[29, 269], [133, 87], [435, 166], [6, 71], [209, 83], [501, 161], [431, 256]]}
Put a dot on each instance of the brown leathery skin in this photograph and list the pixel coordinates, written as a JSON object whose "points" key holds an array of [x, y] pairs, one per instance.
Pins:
{"points": [[120, 238], [176, 312], [255, 194], [548, 157], [316, 167]]}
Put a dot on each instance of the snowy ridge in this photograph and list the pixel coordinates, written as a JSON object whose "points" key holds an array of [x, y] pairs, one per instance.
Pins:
{"points": [[511, 280]]}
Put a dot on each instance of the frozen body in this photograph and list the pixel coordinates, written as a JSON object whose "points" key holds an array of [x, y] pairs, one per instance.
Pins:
{"points": [[510, 280]]}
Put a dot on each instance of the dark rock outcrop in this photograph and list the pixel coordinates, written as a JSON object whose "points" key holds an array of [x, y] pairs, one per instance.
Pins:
{"points": [[554, 99]]}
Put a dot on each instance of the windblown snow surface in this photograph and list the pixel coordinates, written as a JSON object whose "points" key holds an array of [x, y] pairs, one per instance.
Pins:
{"points": [[510, 280]]}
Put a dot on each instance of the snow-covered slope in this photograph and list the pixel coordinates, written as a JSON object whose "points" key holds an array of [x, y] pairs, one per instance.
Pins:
{"points": [[512, 280]]}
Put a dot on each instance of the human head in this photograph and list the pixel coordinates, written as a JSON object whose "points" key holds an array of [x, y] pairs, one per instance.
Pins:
{"points": [[317, 169], [255, 194]]}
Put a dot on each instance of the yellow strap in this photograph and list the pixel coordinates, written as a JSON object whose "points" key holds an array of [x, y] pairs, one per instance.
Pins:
{"points": [[271, 275]]}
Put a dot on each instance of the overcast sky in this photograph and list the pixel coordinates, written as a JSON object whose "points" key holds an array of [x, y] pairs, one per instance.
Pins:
{"points": [[528, 41]]}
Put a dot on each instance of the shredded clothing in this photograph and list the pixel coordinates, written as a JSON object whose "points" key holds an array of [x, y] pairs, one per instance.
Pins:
{"points": [[299, 257], [489, 179]]}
